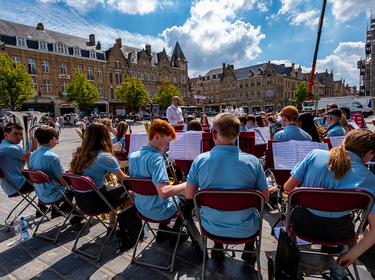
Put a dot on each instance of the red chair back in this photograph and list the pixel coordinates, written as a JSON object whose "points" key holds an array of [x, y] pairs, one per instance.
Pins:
{"points": [[279, 129], [36, 176], [331, 200], [247, 142], [207, 142], [178, 127], [123, 155], [78, 182], [260, 150], [184, 165], [142, 186], [206, 127], [281, 176], [229, 200]]}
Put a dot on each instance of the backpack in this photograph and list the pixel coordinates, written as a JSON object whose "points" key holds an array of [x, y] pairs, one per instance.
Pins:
{"points": [[130, 226]]}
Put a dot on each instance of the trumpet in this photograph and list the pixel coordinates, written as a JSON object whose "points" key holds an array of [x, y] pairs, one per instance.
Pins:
{"points": [[278, 125]]}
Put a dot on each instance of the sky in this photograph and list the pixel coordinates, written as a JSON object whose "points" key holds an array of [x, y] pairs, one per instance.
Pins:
{"points": [[213, 32]]}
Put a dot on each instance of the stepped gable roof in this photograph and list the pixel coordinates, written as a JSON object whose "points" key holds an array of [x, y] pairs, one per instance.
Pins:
{"points": [[128, 51], [193, 82], [13, 29], [321, 77]]}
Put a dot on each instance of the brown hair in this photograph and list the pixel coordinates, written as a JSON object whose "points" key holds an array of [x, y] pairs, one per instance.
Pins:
{"points": [[122, 127], [194, 125], [44, 134], [271, 119], [96, 139], [107, 122], [359, 142], [162, 128], [251, 118], [243, 119], [204, 116], [344, 123], [259, 120], [332, 105], [8, 128], [227, 125]]}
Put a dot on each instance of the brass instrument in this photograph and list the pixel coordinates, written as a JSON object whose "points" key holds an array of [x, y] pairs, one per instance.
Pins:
{"points": [[79, 133], [321, 131], [272, 134]]}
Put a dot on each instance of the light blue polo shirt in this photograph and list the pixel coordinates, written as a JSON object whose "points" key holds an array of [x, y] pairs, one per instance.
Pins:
{"points": [[336, 130], [243, 128], [114, 140], [105, 162], [11, 163], [149, 163], [292, 132], [312, 170], [226, 167], [321, 121], [46, 160]]}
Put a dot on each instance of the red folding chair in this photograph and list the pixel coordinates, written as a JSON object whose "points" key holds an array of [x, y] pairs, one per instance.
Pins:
{"points": [[247, 142], [330, 200], [328, 141], [206, 127], [230, 200], [144, 186], [83, 183], [124, 153], [178, 127], [207, 142], [25, 197], [39, 177]]}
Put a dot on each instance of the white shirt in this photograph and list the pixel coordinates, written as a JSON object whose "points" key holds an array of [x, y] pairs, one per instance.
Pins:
{"points": [[57, 126], [174, 114]]}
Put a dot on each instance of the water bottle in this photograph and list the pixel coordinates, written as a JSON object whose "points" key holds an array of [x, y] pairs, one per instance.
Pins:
{"points": [[339, 273], [24, 229]]}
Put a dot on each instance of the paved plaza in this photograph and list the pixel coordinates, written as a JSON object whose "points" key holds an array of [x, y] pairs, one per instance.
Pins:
{"points": [[38, 258]]}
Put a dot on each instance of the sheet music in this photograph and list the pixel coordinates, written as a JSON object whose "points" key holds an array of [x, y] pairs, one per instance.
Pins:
{"points": [[265, 132], [336, 141], [304, 147], [323, 146], [258, 136], [284, 155], [354, 125], [187, 146], [177, 149], [137, 141], [193, 145]]}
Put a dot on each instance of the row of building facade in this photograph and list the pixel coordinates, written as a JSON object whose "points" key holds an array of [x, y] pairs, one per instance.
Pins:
{"points": [[51, 58]]}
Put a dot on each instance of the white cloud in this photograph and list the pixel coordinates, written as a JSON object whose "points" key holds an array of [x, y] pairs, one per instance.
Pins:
{"points": [[344, 10], [288, 5], [309, 18], [212, 35]]}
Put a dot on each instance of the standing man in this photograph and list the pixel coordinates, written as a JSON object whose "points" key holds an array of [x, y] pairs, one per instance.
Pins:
{"points": [[238, 170], [174, 112], [289, 116], [333, 119]]}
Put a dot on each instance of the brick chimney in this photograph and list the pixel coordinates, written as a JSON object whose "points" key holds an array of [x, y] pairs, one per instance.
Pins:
{"points": [[98, 46], [119, 42], [148, 49], [92, 39], [40, 26]]}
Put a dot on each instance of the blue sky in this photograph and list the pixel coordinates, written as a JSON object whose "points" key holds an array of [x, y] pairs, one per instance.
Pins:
{"points": [[212, 32]]}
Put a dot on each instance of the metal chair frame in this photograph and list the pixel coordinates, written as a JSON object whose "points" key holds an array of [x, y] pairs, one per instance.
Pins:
{"points": [[257, 202], [40, 177], [150, 189], [25, 197], [359, 199], [87, 180]]}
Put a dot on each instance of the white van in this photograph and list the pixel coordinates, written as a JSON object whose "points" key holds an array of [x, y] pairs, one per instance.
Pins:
{"points": [[355, 105]]}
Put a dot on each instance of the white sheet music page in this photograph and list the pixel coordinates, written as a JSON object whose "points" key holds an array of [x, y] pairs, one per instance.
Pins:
{"points": [[193, 148], [323, 146], [354, 125], [133, 143], [265, 132], [177, 149], [284, 155], [258, 136], [137, 141], [336, 141], [304, 147]]}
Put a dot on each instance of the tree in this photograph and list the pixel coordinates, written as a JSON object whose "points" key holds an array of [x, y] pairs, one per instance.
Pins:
{"points": [[165, 94], [301, 93], [15, 84], [82, 92], [133, 92]]}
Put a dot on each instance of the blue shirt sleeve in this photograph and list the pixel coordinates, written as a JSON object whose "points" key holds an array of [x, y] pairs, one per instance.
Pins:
{"points": [[16, 151], [57, 167], [159, 171], [192, 176], [261, 182]]}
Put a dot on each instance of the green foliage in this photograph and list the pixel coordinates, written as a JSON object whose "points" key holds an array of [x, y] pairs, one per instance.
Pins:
{"points": [[15, 84], [133, 92], [165, 94], [82, 92], [301, 93]]}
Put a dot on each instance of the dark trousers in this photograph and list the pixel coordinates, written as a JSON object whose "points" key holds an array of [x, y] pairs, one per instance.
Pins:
{"points": [[26, 187]]}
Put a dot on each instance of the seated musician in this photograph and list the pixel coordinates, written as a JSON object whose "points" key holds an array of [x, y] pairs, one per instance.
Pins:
{"points": [[226, 167], [333, 119], [341, 168], [289, 116], [46, 160], [149, 163], [194, 125], [122, 127], [94, 158], [322, 121], [243, 122], [273, 124], [251, 121]]}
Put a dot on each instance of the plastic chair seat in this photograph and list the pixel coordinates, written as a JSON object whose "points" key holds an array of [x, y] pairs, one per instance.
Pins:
{"points": [[228, 240]]}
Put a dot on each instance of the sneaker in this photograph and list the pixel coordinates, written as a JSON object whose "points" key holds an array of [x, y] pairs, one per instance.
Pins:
{"points": [[331, 249], [249, 257], [218, 255], [76, 220]]}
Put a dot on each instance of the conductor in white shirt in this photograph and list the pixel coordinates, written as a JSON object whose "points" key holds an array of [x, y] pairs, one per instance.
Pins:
{"points": [[174, 112]]}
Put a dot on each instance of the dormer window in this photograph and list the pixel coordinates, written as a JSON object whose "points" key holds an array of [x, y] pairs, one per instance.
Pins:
{"points": [[60, 47], [21, 41], [144, 62], [76, 51], [251, 73], [132, 59], [92, 54], [260, 71], [152, 62], [42, 45]]}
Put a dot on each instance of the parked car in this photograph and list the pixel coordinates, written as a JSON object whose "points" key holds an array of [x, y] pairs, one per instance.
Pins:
{"points": [[104, 114], [67, 116], [145, 115]]}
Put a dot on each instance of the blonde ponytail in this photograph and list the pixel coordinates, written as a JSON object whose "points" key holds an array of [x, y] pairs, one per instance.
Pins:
{"points": [[339, 162]]}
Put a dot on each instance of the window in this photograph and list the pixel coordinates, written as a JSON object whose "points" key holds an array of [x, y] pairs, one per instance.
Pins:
{"points": [[269, 81], [217, 97], [228, 86], [252, 95], [154, 76], [79, 67], [134, 73], [211, 87], [118, 78], [356, 105], [99, 73], [217, 86], [115, 64], [34, 83], [92, 54], [268, 73], [258, 83], [285, 83], [59, 47], [144, 62], [77, 51], [252, 84], [233, 86], [45, 66], [63, 85], [241, 85], [175, 78], [21, 42], [16, 59], [224, 97], [258, 94], [31, 66], [111, 92], [183, 92], [42, 45], [132, 58], [100, 88], [90, 76], [165, 75], [141, 74], [246, 84], [152, 62], [110, 78], [119, 65], [223, 87], [212, 98], [206, 88], [148, 76], [246, 96], [62, 68], [183, 79], [47, 86], [241, 96], [228, 77], [183, 66]]}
